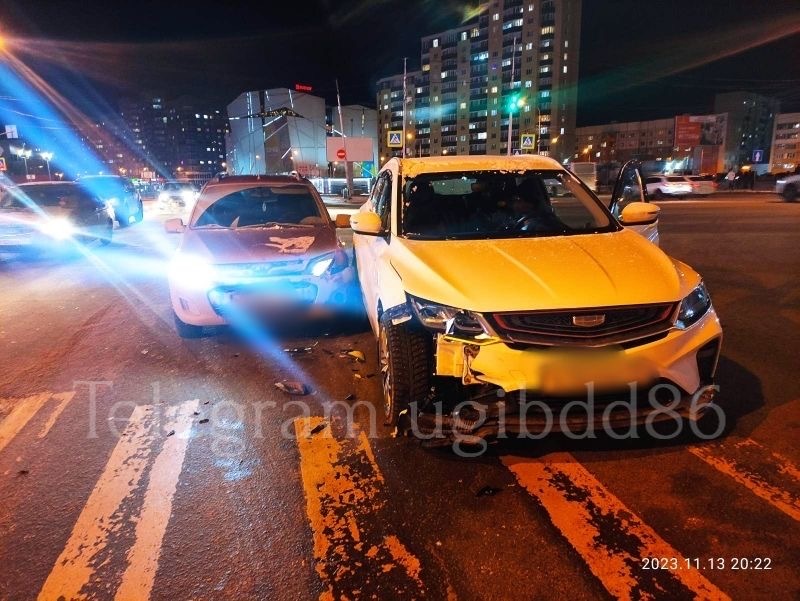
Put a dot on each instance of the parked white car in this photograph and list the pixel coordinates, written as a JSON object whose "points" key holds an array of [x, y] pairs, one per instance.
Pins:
{"points": [[788, 187], [702, 185], [662, 186]]}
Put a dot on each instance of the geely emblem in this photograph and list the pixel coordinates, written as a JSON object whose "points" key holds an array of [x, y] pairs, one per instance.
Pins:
{"points": [[588, 321]]}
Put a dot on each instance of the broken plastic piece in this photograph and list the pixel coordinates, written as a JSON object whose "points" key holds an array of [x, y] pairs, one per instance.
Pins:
{"points": [[295, 388]]}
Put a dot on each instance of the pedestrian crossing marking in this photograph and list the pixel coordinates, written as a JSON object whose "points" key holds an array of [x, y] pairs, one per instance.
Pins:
{"points": [[24, 409], [63, 400], [594, 521], [344, 490], [767, 474], [100, 520]]}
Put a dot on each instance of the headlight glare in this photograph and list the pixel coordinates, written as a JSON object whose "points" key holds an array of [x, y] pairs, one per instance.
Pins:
{"points": [[693, 307], [58, 229], [162, 196], [192, 272]]}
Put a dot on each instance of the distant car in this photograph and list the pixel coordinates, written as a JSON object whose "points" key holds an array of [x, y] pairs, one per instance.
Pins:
{"points": [[119, 193], [176, 195], [788, 187], [256, 246], [702, 185], [48, 216], [661, 186]]}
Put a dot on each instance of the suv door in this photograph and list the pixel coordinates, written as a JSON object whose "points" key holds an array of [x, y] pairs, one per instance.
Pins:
{"points": [[628, 188], [370, 249]]}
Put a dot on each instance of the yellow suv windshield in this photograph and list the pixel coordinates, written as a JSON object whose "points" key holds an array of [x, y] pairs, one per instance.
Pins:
{"points": [[500, 204]]}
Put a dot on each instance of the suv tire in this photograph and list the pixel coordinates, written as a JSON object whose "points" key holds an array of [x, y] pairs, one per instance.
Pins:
{"points": [[405, 356]]}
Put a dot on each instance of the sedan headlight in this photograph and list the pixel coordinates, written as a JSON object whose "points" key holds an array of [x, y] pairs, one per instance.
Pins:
{"points": [[693, 307], [446, 319], [329, 263], [58, 229], [192, 272]]}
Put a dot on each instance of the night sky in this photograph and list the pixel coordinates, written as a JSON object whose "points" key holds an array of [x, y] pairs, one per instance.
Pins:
{"points": [[639, 59]]}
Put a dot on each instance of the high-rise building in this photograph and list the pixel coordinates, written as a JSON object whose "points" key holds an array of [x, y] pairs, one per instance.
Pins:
{"points": [[517, 58], [784, 152], [750, 125]]}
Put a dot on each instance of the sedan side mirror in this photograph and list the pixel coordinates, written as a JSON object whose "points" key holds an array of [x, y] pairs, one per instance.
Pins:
{"points": [[639, 213], [343, 220], [367, 223], [174, 226]]}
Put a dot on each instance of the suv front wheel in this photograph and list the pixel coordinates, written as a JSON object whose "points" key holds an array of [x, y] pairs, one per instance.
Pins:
{"points": [[405, 360]]}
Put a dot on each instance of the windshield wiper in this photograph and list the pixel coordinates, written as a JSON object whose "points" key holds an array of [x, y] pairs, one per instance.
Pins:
{"points": [[209, 226], [273, 224]]}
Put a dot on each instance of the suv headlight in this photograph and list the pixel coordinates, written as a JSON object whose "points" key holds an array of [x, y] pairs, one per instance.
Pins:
{"points": [[693, 307], [449, 320]]}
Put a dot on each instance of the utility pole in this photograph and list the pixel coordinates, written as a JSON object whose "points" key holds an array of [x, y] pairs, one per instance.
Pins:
{"points": [[405, 100], [348, 166], [510, 89]]}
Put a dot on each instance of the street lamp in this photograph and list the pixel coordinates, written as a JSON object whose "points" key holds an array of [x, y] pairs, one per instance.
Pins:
{"points": [[47, 156], [24, 154]]}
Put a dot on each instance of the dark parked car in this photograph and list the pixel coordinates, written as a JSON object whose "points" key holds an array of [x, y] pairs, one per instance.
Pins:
{"points": [[119, 193], [50, 216]]}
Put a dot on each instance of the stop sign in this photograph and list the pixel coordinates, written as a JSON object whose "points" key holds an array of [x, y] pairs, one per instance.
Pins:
{"points": [[340, 154]]}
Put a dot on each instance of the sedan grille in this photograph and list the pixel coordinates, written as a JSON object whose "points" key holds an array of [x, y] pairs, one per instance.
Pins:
{"points": [[584, 327]]}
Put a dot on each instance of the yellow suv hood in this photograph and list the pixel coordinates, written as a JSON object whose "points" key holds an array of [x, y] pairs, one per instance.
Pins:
{"points": [[563, 272]]}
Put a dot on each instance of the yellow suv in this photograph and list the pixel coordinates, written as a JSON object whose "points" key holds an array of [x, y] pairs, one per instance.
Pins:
{"points": [[507, 298]]}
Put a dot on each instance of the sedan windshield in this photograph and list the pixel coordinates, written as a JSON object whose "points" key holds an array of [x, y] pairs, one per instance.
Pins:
{"points": [[500, 204], [262, 206]]}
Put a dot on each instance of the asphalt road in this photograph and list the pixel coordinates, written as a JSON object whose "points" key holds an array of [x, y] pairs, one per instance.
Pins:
{"points": [[134, 464]]}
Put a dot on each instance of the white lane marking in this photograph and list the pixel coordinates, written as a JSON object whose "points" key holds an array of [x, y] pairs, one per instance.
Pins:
{"points": [[64, 398], [24, 410], [98, 520], [611, 539], [767, 474], [137, 581]]}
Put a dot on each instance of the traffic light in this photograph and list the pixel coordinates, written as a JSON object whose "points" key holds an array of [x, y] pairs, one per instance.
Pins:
{"points": [[516, 101]]}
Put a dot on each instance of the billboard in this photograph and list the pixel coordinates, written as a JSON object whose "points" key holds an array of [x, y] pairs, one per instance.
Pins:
{"points": [[700, 130], [349, 149]]}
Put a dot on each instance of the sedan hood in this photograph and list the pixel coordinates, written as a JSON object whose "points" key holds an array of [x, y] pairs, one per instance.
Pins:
{"points": [[252, 245], [564, 272]]}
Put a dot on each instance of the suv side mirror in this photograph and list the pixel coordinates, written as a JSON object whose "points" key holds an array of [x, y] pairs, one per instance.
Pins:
{"points": [[639, 213], [367, 223], [174, 226], [343, 220]]}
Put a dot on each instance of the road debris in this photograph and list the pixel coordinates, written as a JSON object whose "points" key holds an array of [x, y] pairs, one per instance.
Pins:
{"points": [[318, 428], [357, 355], [350, 397], [171, 432], [487, 491], [203, 421], [291, 387]]}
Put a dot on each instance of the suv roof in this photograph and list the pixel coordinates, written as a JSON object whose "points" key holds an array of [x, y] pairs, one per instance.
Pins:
{"points": [[415, 166]]}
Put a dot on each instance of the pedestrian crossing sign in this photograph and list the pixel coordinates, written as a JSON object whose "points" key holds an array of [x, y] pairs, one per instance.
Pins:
{"points": [[527, 141], [394, 138]]}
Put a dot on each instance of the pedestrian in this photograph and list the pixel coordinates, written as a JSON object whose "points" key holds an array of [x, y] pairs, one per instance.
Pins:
{"points": [[731, 177], [752, 180]]}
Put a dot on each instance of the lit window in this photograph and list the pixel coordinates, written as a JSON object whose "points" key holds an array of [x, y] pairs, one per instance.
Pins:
{"points": [[435, 42], [481, 135], [463, 105], [426, 67], [463, 35], [496, 17], [530, 7], [196, 116], [494, 89], [529, 46], [528, 83], [494, 112], [548, 29], [475, 32]]}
